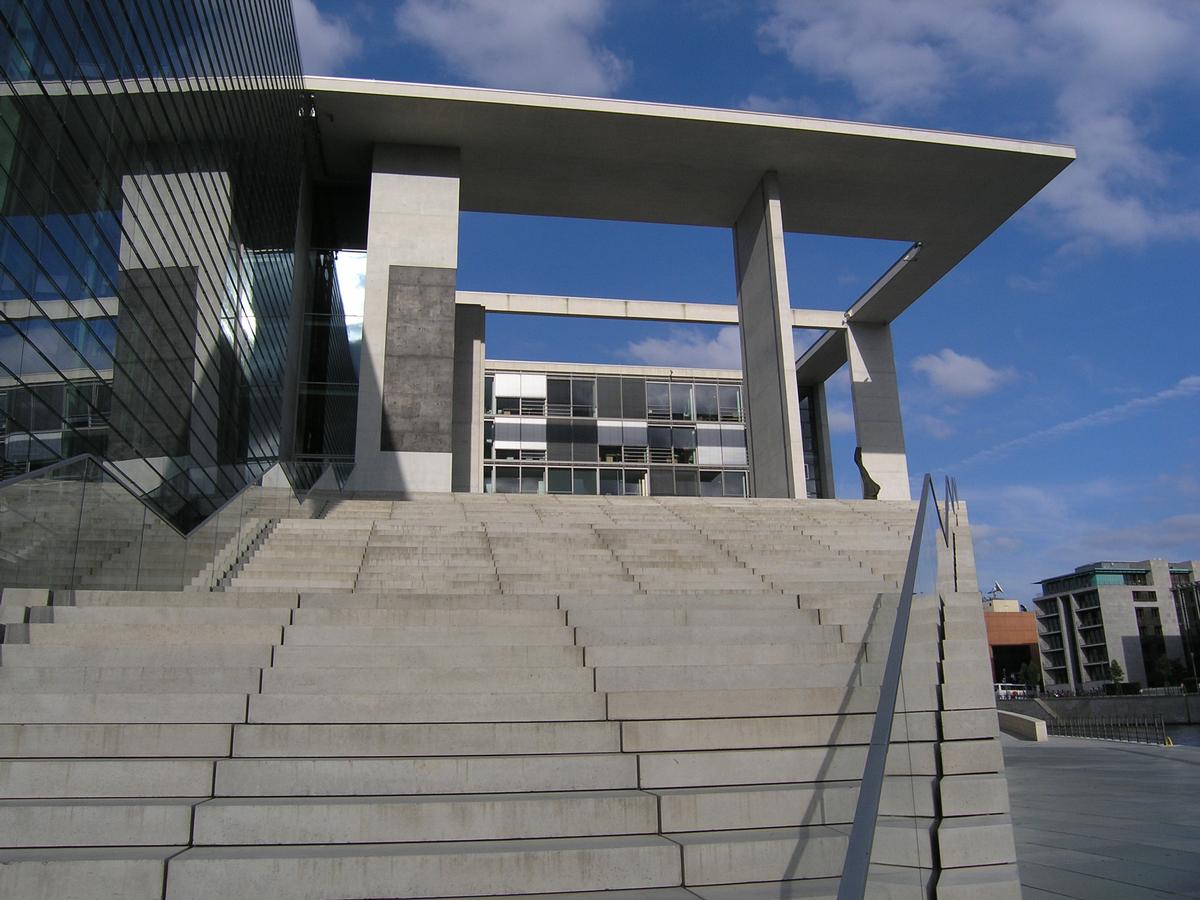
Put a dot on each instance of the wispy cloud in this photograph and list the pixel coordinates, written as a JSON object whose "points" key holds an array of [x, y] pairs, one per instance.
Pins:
{"points": [[1185, 387], [686, 346], [326, 42], [959, 375], [549, 45], [901, 57]]}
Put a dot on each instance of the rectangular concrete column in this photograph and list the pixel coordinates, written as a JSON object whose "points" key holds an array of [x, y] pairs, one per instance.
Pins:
{"points": [[877, 408], [469, 322], [405, 395], [768, 356]]}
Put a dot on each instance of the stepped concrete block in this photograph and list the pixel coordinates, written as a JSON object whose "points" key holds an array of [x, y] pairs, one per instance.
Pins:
{"points": [[903, 841], [426, 707], [433, 656], [555, 679], [635, 705], [767, 806], [152, 615], [671, 600], [28, 741], [38, 779], [424, 870], [424, 775], [728, 857], [443, 617], [729, 734], [721, 767], [979, 757], [99, 823], [976, 695], [462, 817], [969, 841], [453, 739], [971, 795], [121, 708], [368, 600], [130, 873], [23, 597], [706, 634], [299, 582], [728, 678], [1002, 882], [423, 635], [719, 654], [129, 679], [180, 656], [152, 635], [964, 724], [685, 616]]}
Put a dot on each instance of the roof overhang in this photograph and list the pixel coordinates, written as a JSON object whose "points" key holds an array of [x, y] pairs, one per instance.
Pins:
{"points": [[551, 155]]}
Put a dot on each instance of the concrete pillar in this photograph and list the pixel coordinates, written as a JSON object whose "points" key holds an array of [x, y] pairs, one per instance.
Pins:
{"points": [[768, 356], [405, 393], [877, 408], [467, 429], [301, 301]]}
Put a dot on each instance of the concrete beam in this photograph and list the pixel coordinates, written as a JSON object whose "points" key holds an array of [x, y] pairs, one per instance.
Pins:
{"points": [[643, 310], [876, 399], [822, 359]]}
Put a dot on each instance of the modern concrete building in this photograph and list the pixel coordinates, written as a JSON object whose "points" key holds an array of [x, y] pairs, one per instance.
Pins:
{"points": [[1012, 638], [1104, 611]]}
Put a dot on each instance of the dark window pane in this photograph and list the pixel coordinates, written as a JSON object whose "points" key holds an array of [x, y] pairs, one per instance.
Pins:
{"points": [[585, 481], [558, 396], [608, 398], [735, 484], [706, 402], [633, 398], [635, 483], [658, 400], [508, 479], [533, 481], [711, 484], [610, 481], [558, 439], [583, 396], [731, 403], [681, 401], [659, 437], [662, 482], [583, 435], [685, 483], [684, 438], [560, 481]]}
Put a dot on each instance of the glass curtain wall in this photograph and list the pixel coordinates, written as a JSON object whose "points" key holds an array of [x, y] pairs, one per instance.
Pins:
{"points": [[150, 166]]}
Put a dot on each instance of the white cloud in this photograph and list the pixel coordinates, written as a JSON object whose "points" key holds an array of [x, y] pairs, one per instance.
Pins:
{"points": [[841, 418], [547, 45], [688, 347], [935, 426], [961, 376], [326, 42], [1185, 387], [1099, 59], [791, 106]]}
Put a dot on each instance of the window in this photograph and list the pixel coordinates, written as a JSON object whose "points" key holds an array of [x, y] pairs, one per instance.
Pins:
{"points": [[633, 398], [1145, 597], [583, 397], [584, 481], [608, 397], [560, 481], [558, 396], [681, 402], [707, 409], [730, 403], [610, 482], [658, 400]]}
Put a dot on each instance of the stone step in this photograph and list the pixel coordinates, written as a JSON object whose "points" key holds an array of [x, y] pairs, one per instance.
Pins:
{"points": [[128, 679], [704, 634], [455, 817], [167, 615], [454, 739], [698, 600], [424, 870], [176, 656], [426, 707], [40, 779], [607, 618], [175, 599], [316, 777], [35, 741], [424, 635], [100, 708], [773, 731], [109, 636], [726, 654], [95, 823], [440, 617], [414, 601], [130, 873], [428, 656], [387, 680], [753, 677]]}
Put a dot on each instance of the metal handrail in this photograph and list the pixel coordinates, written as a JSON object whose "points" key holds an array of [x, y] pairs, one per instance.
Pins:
{"points": [[853, 884]]}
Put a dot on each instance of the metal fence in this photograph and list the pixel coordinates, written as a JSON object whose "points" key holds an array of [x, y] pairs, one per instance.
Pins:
{"points": [[1138, 731]]}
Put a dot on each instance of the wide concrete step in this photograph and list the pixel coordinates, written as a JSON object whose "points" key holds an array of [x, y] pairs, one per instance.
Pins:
{"points": [[428, 656], [609, 618], [762, 599], [456, 817], [36, 741], [424, 870], [314, 777], [120, 708], [442, 617], [129, 679], [174, 656], [388, 680], [38, 779], [426, 707], [723, 654], [130, 873], [753, 677], [95, 823], [424, 635], [446, 739], [175, 599], [91, 635], [438, 601], [771, 731], [705, 634]]}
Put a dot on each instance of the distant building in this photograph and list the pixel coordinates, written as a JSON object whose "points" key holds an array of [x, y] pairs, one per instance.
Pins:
{"points": [[1123, 611], [1012, 638]]}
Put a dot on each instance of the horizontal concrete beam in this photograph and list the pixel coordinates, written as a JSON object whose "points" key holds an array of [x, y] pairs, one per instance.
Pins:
{"points": [[822, 359], [644, 310]]}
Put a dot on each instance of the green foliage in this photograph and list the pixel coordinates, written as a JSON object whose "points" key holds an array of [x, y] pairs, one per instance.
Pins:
{"points": [[1116, 671]]}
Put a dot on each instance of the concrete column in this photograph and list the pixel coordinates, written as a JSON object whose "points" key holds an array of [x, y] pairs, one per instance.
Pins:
{"points": [[301, 301], [403, 437], [469, 322], [877, 408], [768, 356]]}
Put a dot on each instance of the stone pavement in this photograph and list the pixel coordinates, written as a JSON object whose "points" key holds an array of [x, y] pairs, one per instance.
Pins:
{"points": [[1105, 820]]}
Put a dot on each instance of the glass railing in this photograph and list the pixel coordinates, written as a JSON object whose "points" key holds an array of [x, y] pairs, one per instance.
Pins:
{"points": [[77, 525], [893, 841]]}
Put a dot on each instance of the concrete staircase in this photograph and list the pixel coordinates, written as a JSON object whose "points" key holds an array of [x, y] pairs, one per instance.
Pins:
{"points": [[473, 695]]}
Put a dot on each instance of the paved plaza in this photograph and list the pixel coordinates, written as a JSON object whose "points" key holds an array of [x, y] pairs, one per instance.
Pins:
{"points": [[1105, 820]]}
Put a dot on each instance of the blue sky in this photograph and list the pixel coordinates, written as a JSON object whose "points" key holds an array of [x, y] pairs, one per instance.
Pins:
{"points": [[1055, 372]]}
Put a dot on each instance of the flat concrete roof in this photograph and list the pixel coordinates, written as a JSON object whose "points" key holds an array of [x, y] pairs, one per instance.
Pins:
{"points": [[552, 155]]}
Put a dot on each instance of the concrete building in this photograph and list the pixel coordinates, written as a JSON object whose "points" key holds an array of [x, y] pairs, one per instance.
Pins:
{"points": [[1012, 638], [1104, 611]]}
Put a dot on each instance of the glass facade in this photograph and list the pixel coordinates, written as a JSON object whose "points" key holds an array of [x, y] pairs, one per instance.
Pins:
{"points": [[150, 173], [577, 433]]}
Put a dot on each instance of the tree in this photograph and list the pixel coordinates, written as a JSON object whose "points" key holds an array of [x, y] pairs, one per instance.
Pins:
{"points": [[1116, 672]]}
